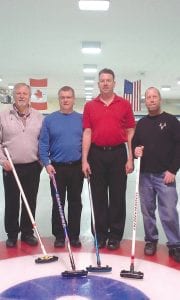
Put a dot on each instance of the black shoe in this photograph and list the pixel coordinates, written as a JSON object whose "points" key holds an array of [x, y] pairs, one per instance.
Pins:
{"points": [[11, 243], [175, 253], [30, 239], [150, 248], [75, 243], [113, 244], [59, 243], [101, 243]]}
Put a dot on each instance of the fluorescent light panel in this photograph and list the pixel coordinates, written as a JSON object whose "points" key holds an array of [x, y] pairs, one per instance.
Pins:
{"points": [[166, 88], [88, 98], [90, 68], [94, 5], [88, 93], [89, 88], [89, 79], [91, 47], [10, 86]]}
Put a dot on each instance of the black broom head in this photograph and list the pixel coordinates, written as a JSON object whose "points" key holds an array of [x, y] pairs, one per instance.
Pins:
{"points": [[132, 274], [74, 273], [99, 269]]}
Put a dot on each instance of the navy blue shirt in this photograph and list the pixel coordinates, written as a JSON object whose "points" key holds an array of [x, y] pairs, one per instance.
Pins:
{"points": [[61, 138], [160, 136]]}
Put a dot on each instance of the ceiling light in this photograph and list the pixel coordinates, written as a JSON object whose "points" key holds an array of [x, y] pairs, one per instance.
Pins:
{"points": [[178, 81], [0, 79], [165, 88], [88, 93], [88, 88], [91, 47], [94, 4], [90, 68], [10, 86], [89, 79], [88, 98]]}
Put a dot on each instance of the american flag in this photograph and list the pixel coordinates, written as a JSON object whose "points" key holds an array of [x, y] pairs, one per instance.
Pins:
{"points": [[132, 92]]}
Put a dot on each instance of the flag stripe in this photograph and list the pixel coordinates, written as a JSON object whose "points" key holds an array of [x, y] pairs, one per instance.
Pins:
{"points": [[39, 106], [38, 82], [132, 93]]}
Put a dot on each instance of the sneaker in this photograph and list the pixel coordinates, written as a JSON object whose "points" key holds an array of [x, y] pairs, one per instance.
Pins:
{"points": [[30, 239], [75, 243], [11, 243], [175, 253], [59, 243], [150, 248], [113, 244]]}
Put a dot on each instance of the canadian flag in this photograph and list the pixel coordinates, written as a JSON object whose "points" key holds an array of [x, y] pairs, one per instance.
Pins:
{"points": [[39, 93]]}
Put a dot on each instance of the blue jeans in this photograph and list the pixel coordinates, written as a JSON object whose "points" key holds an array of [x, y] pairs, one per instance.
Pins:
{"points": [[155, 193]]}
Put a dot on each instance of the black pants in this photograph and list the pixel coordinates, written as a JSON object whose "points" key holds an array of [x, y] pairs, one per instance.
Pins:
{"points": [[108, 184], [29, 176], [69, 183]]}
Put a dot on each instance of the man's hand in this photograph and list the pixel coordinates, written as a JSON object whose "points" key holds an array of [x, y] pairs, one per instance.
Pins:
{"points": [[138, 151], [7, 166], [169, 177], [50, 170], [129, 167], [86, 168]]}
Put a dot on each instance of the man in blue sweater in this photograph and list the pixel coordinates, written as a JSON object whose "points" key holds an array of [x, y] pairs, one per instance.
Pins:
{"points": [[157, 140], [60, 146]]}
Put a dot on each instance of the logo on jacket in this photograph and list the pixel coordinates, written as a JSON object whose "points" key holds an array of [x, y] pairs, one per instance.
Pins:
{"points": [[162, 125]]}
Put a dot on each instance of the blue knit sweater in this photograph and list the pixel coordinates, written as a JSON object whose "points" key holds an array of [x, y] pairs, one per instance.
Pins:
{"points": [[61, 138]]}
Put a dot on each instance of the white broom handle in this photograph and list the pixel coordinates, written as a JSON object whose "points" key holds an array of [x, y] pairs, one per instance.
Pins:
{"points": [[137, 174], [91, 203], [136, 200], [24, 199]]}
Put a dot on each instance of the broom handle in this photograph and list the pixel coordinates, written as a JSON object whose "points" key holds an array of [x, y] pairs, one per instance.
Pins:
{"points": [[136, 200], [63, 221], [25, 200], [93, 222]]}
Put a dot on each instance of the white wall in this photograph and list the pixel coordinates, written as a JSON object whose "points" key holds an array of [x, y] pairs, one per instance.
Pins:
{"points": [[170, 106]]}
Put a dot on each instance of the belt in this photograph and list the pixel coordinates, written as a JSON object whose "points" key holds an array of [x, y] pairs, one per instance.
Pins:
{"points": [[68, 163], [107, 148], [27, 164]]}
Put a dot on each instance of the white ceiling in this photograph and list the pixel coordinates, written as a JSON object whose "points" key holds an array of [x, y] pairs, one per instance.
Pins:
{"points": [[42, 38]]}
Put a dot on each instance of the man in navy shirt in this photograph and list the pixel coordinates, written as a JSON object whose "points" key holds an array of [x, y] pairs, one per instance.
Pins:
{"points": [[157, 140], [60, 146]]}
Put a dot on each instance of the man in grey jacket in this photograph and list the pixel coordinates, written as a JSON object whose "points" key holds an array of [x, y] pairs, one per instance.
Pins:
{"points": [[19, 132]]}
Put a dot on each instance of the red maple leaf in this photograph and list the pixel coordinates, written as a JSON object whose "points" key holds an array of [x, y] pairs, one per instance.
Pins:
{"points": [[38, 94]]}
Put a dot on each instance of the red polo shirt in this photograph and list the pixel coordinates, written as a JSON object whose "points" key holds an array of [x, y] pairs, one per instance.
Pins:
{"points": [[108, 123]]}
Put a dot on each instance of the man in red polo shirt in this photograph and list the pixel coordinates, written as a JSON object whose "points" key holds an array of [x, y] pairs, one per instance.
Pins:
{"points": [[108, 123]]}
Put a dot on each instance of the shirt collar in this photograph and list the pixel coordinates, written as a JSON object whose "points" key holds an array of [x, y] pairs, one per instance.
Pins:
{"points": [[22, 115]]}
